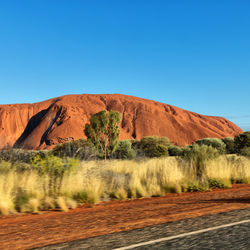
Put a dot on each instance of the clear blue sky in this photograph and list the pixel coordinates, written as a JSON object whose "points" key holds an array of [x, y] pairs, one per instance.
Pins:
{"points": [[191, 54]]}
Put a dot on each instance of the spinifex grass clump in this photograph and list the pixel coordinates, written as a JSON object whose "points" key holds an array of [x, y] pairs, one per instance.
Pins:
{"points": [[53, 182], [198, 157], [25, 187], [230, 169], [53, 169]]}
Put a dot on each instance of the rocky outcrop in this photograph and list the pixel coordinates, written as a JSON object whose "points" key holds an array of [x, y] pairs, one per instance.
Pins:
{"points": [[44, 124]]}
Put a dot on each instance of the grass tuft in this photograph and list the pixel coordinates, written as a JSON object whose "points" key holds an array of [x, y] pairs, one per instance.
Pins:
{"points": [[26, 190]]}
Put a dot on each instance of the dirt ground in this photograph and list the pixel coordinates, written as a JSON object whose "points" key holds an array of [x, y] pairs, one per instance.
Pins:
{"points": [[24, 231]]}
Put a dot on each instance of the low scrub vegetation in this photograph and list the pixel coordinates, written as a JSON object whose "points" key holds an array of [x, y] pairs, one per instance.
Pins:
{"points": [[64, 183], [76, 172]]}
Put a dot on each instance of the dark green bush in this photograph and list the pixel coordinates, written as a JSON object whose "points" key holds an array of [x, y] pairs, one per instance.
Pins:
{"points": [[124, 150], [195, 187], [175, 150], [215, 183], [242, 140], [245, 151], [152, 146], [81, 197], [136, 147], [20, 155], [79, 149], [213, 142], [230, 146]]}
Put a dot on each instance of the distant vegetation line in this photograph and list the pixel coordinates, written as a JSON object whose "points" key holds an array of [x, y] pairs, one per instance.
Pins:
{"points": [[104, 168]]}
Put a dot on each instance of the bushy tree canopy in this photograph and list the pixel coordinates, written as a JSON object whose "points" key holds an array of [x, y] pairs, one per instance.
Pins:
{"points": [[103, 132]]}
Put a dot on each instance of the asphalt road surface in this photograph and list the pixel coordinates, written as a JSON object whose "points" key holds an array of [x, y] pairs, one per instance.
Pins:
{"points": [[217, 234]]}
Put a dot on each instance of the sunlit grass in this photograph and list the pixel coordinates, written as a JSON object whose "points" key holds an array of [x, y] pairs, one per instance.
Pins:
{"points": [[95, 181]]}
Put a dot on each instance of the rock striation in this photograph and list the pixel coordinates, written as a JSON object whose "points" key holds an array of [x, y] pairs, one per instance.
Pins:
{"points": [[45, 124]]}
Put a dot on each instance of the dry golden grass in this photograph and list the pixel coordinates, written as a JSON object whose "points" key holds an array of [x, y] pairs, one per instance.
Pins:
{"points": [[230, 167], [94, 181]]}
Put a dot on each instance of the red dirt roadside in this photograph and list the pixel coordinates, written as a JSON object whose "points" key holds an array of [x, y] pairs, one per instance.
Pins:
{"points": [[29, 231]]}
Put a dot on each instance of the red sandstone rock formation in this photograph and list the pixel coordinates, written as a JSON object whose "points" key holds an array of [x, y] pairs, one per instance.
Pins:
{"points": [[44, 124]]}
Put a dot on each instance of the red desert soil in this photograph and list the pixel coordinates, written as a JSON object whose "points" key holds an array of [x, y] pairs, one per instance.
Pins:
{"points": [[28, 231], [42, 125]]}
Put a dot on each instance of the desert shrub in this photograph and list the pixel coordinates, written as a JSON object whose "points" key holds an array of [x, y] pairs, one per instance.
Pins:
{"points": [[81, 197], [173, 189], [86, 197], [175, 150], [216, 183], [242, 140], [195, 187], [28, 189], [135, 144], [20, 167], [230, 147], [80, 149], [119, 194], [198, 156], [20, 155], [245, 151], [22, 198], [55, 169], [124, 150], [152, 146], [213, 142]]}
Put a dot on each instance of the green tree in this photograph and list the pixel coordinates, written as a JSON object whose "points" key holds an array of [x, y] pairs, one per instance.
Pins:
{"points": [[103, 132]]}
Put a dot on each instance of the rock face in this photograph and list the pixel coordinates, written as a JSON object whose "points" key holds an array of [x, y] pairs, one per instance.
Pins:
{"points": [[44, 124]]}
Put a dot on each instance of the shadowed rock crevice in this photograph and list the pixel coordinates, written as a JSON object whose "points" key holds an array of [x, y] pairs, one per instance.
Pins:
{"points": [[32, 124], [44, 136]]}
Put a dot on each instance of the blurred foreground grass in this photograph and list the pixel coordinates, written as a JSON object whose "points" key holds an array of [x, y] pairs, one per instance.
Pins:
{"points": [[65, 183]]}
